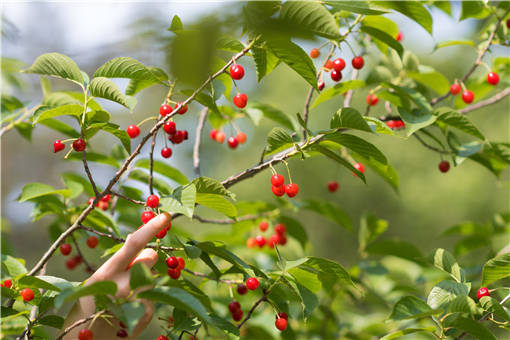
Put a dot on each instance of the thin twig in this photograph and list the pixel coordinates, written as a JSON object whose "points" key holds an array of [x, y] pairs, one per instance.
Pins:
{"points": [[428, 146], [255, 305], [239, 219], [492, 100], [230, 282], [119, 195], [196, 147], [151, 162], [20, 119], [348, 95], [87, 264], [79, 323], [89, 174]]}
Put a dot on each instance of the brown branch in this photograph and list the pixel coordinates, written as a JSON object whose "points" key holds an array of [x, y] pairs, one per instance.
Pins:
{"points": [[87, 264], [151, 162], [20, 119], [127, 198], [255, 305], [79, 323], [89, 174], [239, 219], [230, 282], [428, 146], [492, 100], [196, 147], [478, 60]]}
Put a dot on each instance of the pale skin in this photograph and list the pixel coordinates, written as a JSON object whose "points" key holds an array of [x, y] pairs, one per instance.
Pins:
{"points": [[117, 269]]}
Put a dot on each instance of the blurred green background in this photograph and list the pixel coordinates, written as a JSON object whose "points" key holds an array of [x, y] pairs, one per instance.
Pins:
{"points": [[91, 34]]}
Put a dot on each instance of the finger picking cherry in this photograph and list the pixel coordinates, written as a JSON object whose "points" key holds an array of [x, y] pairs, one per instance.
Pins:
{"points": [[232, 142], [236, 72], [277, 180], [65, 249], [333, 186], [338, 64], [241, 137], [79, 145], [372, 99], [242, 289], [468, 97], [92, 242], [133, 131], [152, 201], [263, 226], [336, 75], [455, 89], [358, 62], [170, 128], [444, 166], [483, 291], [493, 78], [165, 109], [172, 262], [240, 100], [252, 283], [278, 191], [281, 324], [27, 294], [315, 53], [147, 216], [220, 137], [166, 152], [85, 334], [58, 146], [292, 189]]}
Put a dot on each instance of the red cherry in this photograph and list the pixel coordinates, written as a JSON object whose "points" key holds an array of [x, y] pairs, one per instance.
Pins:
{"points": [[233, 306], [328, 66], [213, 133], [360, 167], [27, 294], [338, 64], [121, 324], [274, 239], [174, 273], [277, 180], [251, 242], [172, 262], [358, 62], [133, 131], [220, 137], [185, 134], [8, 283], [282, 240], [444, 166], [92, 242], [71, 264], [372, 99], [166, 152], [292, 189], [178, 137], [281, 324], [483, 291], [508, 23], [315, 53], [237, 315], [236, 72], [122, 333], [399, 124], [241, 137], [102, 205], [242, 289], [85, 334], [252, 283], [455, 89], [106, 198], [162, 337], [283, 315], [321, 85], [77, 259], [161, 234], [333, 186], [147, 216], [170, 128], [391, 124], [58, 146], [468, 97], [263, 226], [152, 201], [182, 263], [232, 142], [182, 109], [336, 75], [261, 240], [400, 36], [278, 191], [240, 100], [65, 249], [493, 78], [165, 109], [280, 228], [79, 145]]}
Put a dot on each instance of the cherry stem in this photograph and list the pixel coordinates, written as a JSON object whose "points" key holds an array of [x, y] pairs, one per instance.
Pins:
{"points": [[272, 169], [170, 92], [68, 140], [146, 120], [486, 66], [235, 85], [68, 153], [288, 170], [231, 292]]}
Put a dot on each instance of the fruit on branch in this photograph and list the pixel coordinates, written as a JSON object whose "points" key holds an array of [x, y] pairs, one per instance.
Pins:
{"points": [[280, 229], [170, 128], [166, 152], [263, 226], [236, 72], [212, 134], [27, 294], [333, 186], [283, 315], [292, 189], [242, 289], [372, 99], [182, 263], [336, 75], [261, 240], [360, 167], [152, 201], [174, 273], [182, 108], [444, 166], [65, 249], [162, 233], [321, 85], [315, 53], [399, 36], [79, 145], [85, 334], [358, 62], [395, 124], [172, 262], [178, 137], [277, 180], [233, 306], [147, 216], [273, 239], [220, 137], [122, 333], [122, 325], [237, 315], [102, 205], [162, 337], [455, 89], [252, 283], [508, 23], [328, 66], [106, 198], [240, 100], [241, 137], [71, 263], [278, 190], [251, 242], [492, 78], [7, 283], [165, 109], [133, 131], [338, 64], [78, 259], [58, 146], [468, 97], [281, 324], [483, 291], [92, 242], [232, 142]]}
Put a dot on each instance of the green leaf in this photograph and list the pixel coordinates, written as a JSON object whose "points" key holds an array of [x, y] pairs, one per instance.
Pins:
{"points": [[496, 268], [413, 10], [332, 155], [491, 305], [310, 16], [435, 80], [445, 261], [459, 121], [203, 99], [112, 129], [454, 43], [396, 248], [474, 9], [225, 325], [358, 145], [410, 307], [163, 187], [294, 56], [96, 288], [473, 327], [265, 61], [384, 38], [176, 25], [328, 269], [445, 292], [132, 312], [136, 85], [13, 266], [125, 67], [229, 43], [206, 185], [35, 190], [36, 282], [164, 169], [381, 23], [462, 304], [140, 276], [46, 112], [94, 157], [337, 90], [211, 249], [54, 321], [386, 171], [57, 65], [60, 127], [360, 7], [181, 201], [218, 203], [415, 119], [378, 126], [330, 211], [278, 140], [105, 88], [25, 130], [347, 117], [398, 334], [370, 229], [270, 112]]}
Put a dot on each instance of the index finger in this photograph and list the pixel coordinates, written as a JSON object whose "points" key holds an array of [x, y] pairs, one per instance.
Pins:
{"points": [[137, 241]]}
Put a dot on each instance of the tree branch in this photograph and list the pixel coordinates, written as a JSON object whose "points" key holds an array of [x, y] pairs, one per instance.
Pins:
{"points": [[127, 198], [151, 162], [255, 305], [492, 100], [428, 146], [89, 174], [87, 264], [230, 282], [79, 323], [196, 147]]}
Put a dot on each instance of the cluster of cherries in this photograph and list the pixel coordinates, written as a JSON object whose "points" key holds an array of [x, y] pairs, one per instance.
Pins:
{"points": [[336, 66], [75, 261], [395, 124], [153, 202], [241, 99], [78, 145], [103, 203], [175, 266], [235, 307], [232, 141], [279, 237], [469, 96], [279, 189], [26, 294]]}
